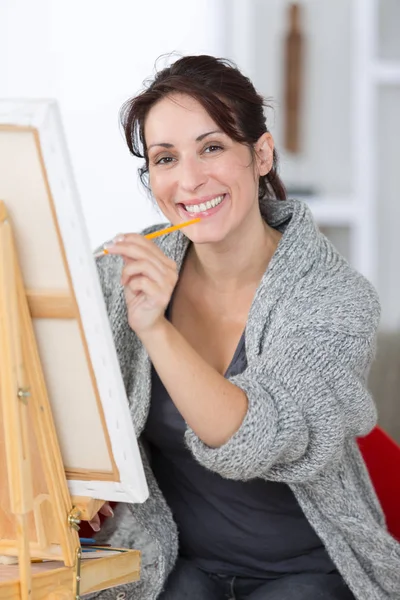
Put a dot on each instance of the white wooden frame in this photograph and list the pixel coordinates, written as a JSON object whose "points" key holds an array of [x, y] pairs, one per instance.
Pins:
{"points": [[43, 116]]}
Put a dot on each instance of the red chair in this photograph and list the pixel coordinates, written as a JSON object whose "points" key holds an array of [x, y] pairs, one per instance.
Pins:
{"points": [[382, 457]]}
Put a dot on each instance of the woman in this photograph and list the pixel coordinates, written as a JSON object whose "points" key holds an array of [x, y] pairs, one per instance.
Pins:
{"points": [[244, 341]]}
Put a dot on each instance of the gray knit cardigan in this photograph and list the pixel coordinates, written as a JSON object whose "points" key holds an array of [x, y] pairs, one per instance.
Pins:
{"points": [[310, 340]]}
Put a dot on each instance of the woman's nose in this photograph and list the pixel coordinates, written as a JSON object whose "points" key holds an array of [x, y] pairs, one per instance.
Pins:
{"points": [[191, 174]]}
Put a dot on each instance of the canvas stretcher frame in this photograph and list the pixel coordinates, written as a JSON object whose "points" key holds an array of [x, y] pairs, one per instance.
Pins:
{"points": [[83, 378]]}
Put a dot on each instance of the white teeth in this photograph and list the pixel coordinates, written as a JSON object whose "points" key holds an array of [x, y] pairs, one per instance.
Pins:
{"points": [[195, 208]]}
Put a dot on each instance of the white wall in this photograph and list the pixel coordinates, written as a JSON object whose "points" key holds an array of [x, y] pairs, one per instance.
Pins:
{"points": [[92, 55], [325, 161]]}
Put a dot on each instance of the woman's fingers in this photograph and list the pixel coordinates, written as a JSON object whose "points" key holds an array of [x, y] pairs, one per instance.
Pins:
{"points": [[137, 247], [95, 523], [149, 288], [142, 268], [154, 272], [106, 510], [148, 277]]}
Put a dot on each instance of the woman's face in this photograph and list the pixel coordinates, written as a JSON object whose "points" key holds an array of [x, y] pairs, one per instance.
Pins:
{"points": [[196, 170]]}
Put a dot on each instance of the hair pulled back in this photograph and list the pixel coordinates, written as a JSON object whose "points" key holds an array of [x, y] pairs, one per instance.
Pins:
{"points": [[224, 92]]}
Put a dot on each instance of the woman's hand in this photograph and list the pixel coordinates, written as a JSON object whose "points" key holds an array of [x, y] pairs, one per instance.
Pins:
{"points": [[148, 277], [105, 510]]}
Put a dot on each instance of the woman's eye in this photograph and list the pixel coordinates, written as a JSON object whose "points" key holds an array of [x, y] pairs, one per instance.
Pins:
{"points": [[213, 148], [164, 160]]}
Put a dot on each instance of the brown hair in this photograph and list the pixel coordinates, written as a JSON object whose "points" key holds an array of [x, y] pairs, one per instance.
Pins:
{"points": [[226, 94]]}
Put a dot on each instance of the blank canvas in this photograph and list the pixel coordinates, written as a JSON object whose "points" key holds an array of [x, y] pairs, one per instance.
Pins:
{"points": [[84, 382]]}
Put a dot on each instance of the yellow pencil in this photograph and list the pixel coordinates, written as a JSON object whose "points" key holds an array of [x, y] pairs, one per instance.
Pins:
{"points": [[156, 234]]}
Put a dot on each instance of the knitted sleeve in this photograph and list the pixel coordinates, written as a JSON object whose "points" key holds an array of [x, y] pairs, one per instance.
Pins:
{"points": [[306, 395]]}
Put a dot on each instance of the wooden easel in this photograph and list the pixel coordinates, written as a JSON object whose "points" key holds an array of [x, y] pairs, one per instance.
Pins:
{"points": [[34, 524]]}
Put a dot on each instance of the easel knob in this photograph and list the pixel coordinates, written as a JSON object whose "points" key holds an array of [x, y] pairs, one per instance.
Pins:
{"points": [[23, 394], [74, 519]]}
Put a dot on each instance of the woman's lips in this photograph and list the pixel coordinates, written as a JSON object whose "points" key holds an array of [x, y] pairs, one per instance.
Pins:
{"points": [[204, 214]]}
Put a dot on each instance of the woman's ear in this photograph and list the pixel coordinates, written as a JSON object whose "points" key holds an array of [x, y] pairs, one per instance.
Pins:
{"points": [[264, 149]]}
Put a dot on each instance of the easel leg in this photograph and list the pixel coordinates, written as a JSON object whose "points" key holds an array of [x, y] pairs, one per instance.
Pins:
{"points": [[14, 411], [24, 558]]}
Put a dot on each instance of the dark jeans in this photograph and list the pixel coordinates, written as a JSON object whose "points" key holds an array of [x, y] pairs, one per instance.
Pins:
{"points": [[189, 582]]}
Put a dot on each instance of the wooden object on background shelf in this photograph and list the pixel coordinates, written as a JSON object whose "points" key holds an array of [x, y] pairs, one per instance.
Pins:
{"points": [[294, 54]]}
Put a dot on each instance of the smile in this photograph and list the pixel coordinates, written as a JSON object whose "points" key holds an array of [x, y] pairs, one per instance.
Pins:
{"points": [[204, 206]]}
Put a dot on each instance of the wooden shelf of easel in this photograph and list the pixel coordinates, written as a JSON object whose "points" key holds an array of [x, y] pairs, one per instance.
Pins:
{"points": [[33, 524], [50, 581]]}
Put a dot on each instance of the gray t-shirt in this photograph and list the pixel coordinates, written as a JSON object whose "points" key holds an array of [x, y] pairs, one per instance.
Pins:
{"points": [[246, 528]]}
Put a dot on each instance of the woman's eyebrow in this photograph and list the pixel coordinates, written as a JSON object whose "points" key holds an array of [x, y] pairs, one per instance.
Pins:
{"points": [[204, 135], [198, 139]]}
